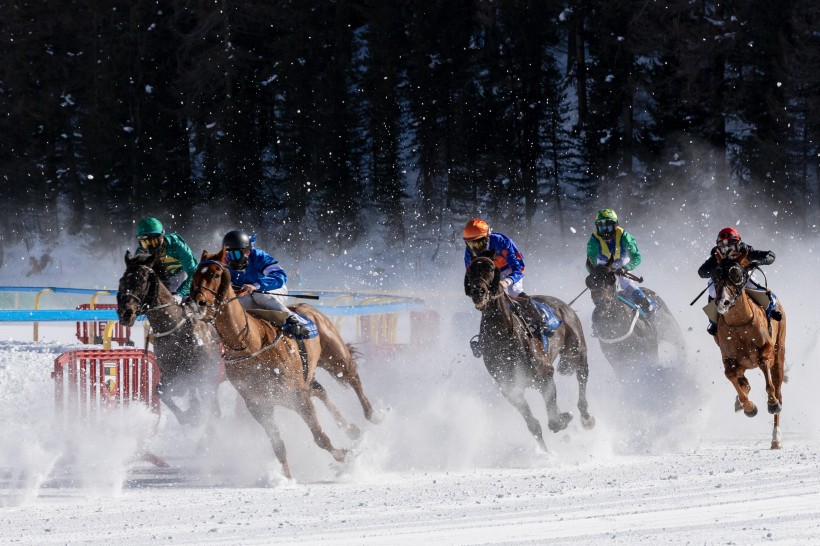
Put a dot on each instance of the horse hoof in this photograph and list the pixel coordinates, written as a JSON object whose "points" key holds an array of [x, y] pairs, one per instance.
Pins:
{"points": [[340, 455], [375, 417], [775, 408], [588, 422], [561, 423], [354, 432], [777, 445], [738, 405], [751, 413]]}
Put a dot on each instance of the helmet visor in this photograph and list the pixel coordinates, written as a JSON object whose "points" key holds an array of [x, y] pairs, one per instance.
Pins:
{"points": [[727, 246], [235, 254], [150, 241], [478, 245], [605, 227]]}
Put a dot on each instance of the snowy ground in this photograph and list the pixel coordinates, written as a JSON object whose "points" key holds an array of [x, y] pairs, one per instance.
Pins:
{"points": [[452, 463]]}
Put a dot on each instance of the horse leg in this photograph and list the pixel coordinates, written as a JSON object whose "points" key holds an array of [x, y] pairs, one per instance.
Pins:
{"points": [[777, 440], [304, 407], [578, 361], [734, 373], [516, 398], [772, 402], [558, 420], [317, 390], [263, 413], [163, 391], [343, 368]]}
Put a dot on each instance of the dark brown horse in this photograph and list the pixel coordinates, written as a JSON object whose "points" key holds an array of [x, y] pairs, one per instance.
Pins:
{"points": [[628, 339], [748, 340], [187, 349], [517, 360], [264, 365]]}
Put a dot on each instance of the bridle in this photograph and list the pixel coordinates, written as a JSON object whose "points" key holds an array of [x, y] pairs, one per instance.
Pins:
{"points": [[218, 307], [477, 281], [151, 294], [735, 275]]}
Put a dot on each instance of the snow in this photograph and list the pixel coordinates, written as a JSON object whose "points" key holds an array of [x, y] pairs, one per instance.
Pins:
{"points": [[452, 462]]}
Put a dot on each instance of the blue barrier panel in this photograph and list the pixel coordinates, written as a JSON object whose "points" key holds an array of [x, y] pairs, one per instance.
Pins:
{"points": [[57, 290]]}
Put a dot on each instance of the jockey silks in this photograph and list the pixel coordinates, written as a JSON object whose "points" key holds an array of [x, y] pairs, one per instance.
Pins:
{"points": [[507, 258], [622, 250], [177, 256], [262, 271]]}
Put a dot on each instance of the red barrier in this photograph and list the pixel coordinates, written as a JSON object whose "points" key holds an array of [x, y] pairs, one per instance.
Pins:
{"points": [[91, 333], [90, 380]]}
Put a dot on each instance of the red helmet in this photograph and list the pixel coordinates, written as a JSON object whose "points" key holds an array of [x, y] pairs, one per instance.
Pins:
{"points": [[476, 229], [728, 234]]}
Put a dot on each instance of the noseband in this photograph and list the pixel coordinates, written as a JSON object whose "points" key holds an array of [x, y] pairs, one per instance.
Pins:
{"points": [[734, 275], [477, 282]]}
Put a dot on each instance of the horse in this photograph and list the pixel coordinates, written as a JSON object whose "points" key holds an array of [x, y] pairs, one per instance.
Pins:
{"points": [[265, 366], [516, 360], [629, 340], [187, 350], [748, 339]]}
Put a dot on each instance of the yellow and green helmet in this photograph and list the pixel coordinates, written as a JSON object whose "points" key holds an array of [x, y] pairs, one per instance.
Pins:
{"points": [[606, 216]]}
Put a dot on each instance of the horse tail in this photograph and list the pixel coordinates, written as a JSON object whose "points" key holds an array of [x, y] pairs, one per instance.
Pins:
{"points": [[355, 353]]}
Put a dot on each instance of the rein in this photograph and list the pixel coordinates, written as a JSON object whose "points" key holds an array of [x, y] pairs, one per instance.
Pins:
{"points": [[627, 334], [218, 307], [151, 295]]}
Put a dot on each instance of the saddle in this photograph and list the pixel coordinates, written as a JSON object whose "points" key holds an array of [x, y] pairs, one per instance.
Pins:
{"points": [[278, 319], [539, 319]]}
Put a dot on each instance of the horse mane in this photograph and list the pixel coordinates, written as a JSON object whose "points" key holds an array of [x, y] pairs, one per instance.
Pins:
{"points": [[147, 259]]}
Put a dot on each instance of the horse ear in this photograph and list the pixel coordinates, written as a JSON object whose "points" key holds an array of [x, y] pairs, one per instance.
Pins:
{"points": [[589, 282], [466, 285], [220, 256], [204, 256], [127, 257]]}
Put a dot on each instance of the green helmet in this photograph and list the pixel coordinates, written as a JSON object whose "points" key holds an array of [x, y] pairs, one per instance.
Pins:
{"points": [[606, 215], [149, 226]]}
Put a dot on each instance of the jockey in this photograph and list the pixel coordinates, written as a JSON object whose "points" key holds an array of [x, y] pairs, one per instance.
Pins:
{"points": [[174, 252], [728, 244], [611, 245], [257, 274], [480, 238]]}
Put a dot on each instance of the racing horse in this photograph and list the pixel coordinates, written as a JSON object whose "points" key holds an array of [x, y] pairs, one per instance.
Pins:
{"points": [[187, 349], [516, 359], [265, 366], [748, 339], [629, 340]]}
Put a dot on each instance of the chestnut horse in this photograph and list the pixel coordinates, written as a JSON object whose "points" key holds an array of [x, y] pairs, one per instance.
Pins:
{"points": [[748, 340], [628, 340], [517, 360], [187, 349], [264, 365]]}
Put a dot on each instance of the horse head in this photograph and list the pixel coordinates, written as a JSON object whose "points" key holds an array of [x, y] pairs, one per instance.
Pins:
{"points": [[482, 280], [601, 284], [139, 286], [729, 279], [210, 282]]}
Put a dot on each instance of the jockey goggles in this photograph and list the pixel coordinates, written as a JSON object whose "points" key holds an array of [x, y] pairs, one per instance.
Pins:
{"points": [[605, 227], [478, 244], [235, 254], [727, 246], [150, 242]]}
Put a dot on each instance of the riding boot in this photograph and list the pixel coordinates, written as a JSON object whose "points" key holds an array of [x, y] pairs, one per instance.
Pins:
{"points": [[295, 328], [539, 326], [712, 328]]}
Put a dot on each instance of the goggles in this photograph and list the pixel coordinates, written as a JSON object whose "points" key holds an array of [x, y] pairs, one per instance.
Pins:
{"points": [[727, 246], [149, 242], [477, 244], [606, 227], [235, 254]]}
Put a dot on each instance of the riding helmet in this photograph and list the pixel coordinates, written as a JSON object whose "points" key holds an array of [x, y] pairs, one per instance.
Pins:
{"points": [[236, 240], [149, 226], [606, 216], [728, 234], [476, 229]]}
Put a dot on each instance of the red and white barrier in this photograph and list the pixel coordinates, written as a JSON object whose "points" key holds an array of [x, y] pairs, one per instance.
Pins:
{"points": [[93, 332]]}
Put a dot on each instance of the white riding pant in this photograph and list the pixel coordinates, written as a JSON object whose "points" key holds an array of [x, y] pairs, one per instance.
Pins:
{"points": [[515, 288], [258, 300]]}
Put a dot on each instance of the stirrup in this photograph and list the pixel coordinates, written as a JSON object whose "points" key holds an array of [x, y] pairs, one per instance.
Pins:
{"points": [[776, 315], [295, 328], [475, 346]]}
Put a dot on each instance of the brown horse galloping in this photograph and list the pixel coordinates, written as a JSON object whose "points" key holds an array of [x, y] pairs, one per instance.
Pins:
{"points": [[264, 365], [517, 360], [748, 340]]}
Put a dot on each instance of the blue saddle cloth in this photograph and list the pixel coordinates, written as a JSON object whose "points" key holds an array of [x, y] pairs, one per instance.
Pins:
{"points": [[629, 302], [550, 319]]}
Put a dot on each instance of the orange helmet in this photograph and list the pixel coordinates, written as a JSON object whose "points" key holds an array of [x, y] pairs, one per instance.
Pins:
{"points": [[476, 229]]}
